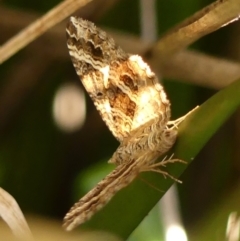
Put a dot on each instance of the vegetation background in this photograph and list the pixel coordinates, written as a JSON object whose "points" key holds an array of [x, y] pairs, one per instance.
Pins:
{"points": [[47, 168]]}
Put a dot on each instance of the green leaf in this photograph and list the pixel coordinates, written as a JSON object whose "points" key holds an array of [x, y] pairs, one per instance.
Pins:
{"points": [[130, 206]]}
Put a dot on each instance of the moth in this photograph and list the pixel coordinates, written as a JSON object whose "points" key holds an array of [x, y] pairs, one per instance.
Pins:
{"points": [[132, 103]]}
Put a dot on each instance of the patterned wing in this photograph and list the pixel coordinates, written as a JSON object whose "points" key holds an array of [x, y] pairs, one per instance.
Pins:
{"points": [[123, 88]]}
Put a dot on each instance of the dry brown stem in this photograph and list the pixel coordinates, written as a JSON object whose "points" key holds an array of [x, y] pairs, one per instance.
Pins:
{"points": [[206, 21], [178, 67], [199, 69], [40, 26]]}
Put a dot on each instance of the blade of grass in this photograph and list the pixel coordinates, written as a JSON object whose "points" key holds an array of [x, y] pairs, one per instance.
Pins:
{"points": [[130, 206], [13, 216]]}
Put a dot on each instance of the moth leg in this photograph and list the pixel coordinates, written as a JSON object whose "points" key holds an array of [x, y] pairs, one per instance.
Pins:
{"points": [[155, 167]]}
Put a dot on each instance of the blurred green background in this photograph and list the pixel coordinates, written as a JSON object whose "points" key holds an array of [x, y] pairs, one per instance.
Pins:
{"points": [[46, 168]]}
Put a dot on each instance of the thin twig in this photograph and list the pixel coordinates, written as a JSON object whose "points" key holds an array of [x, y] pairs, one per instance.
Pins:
{"points": [[209, 71], [220, 72], [40, 26], [205, 21]]}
